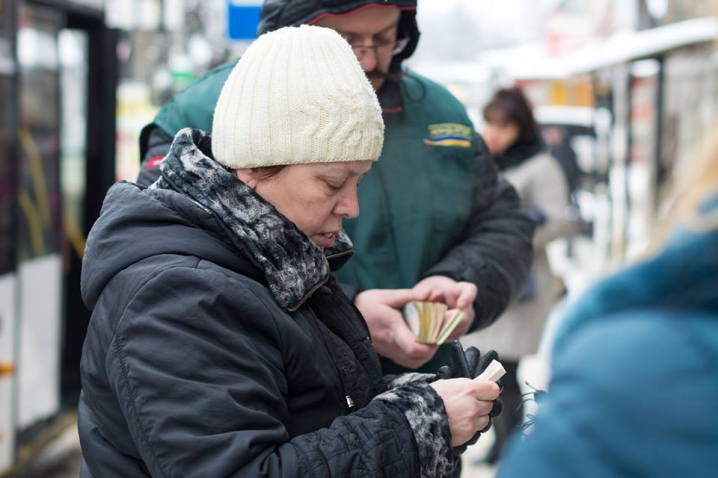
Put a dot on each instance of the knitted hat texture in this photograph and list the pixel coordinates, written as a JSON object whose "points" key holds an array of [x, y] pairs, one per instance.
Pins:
{"points": [[298, 95]]}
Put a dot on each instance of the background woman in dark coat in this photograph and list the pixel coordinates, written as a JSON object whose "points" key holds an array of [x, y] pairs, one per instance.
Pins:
{"points": [[220, 343], [513, 137]]}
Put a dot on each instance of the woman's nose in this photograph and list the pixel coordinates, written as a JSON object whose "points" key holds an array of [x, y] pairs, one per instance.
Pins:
{"points": [[489, 137], [348, 206]]}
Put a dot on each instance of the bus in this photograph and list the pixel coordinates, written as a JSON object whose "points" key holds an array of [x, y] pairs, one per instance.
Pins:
{"points": [[58, 82]]}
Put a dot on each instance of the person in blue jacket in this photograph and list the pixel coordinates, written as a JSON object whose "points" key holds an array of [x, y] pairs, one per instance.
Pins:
{"points": [[634, 388]]}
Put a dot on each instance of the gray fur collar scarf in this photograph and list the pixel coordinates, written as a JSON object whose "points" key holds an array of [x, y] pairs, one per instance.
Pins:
{"points": [[293, 265]]}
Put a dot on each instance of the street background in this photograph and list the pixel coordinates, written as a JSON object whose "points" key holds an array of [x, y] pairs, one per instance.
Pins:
{"points": [[633, 83]]}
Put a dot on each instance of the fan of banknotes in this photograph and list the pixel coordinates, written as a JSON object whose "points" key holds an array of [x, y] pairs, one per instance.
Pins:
{"points": [[428, 321]]}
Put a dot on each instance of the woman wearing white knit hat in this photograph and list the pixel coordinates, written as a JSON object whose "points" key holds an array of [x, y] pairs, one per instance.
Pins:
{"points": [[223, 345]]}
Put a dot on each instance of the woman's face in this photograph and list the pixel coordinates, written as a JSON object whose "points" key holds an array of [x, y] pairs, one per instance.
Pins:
{"points": [[315, 197], [500, 136]]}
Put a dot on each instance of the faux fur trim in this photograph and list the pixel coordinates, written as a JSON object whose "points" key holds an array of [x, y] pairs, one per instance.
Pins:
{"points": [[393, 381], [293, 265], [424, 410]]}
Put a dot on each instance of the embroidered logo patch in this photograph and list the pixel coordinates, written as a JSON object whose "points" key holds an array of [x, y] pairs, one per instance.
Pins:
{"points": [[448, 134]]}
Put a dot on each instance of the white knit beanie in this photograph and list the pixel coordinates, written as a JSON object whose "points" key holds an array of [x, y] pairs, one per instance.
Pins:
{"points": [[298, 95]]}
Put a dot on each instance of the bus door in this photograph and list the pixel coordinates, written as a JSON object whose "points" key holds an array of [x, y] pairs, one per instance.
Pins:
{"points": [[67, 137]]}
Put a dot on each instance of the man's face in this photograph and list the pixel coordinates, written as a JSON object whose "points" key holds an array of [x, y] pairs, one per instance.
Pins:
{"points": [[372, 33]]}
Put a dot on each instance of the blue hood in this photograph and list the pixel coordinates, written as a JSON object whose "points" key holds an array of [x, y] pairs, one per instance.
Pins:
{"points": [[682, 277]]}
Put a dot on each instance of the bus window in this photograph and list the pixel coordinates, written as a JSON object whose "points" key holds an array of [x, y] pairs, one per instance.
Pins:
{"points": [[38, 189]]}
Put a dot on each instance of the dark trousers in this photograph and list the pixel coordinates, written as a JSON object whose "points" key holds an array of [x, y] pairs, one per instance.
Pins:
{"points": [[512, 415]]}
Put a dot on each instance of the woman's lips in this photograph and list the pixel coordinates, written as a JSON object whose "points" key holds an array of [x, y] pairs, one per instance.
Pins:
{"points": [[325, 239]]}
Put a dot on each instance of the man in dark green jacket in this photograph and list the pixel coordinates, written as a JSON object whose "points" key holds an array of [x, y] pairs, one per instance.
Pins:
{"points": [[436, 221]]}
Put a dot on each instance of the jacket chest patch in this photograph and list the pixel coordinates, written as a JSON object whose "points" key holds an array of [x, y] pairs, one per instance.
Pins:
{"points": [[448, 134]]}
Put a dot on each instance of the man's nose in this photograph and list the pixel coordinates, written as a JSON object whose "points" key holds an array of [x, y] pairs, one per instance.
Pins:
{"points": [[367, 58]]}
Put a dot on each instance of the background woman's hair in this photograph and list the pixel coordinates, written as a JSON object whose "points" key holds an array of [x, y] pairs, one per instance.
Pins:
{"points": [[700, 180], [695, 183], [510, 105]]}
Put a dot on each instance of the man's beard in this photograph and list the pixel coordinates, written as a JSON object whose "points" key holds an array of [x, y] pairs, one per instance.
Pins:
{"points": [[376, 74]]}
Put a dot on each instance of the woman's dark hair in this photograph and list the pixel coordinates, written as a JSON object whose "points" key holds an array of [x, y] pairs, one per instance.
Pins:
{"points": [[262, 173], [510, 105], [266, 172]]}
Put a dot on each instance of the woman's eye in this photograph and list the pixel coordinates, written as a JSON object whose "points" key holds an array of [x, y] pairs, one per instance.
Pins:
{"points": [[334, 186]]}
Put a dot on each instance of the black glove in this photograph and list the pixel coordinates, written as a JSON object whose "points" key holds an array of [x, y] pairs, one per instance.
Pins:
{"points": [[465, 364], [469, 364]]}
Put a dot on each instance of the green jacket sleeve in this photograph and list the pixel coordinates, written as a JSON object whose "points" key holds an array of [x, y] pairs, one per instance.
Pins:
{"points": [[496, 251]]}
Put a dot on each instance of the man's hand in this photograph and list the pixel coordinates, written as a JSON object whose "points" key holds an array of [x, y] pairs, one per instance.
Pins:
{"points": [[456, 295], [390, 335]]}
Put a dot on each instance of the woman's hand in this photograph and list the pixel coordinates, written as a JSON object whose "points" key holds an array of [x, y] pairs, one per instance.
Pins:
{"points": [[468, 404]]}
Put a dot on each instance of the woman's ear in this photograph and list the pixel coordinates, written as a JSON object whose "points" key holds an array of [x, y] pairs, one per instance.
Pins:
{"points": [[248, 176]]}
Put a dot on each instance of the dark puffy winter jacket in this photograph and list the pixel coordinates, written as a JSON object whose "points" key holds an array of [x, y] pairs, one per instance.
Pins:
{"points": [[221, 345]]}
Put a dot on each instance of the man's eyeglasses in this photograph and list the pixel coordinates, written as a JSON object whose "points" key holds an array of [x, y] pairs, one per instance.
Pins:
{"points": [[395, 46]]}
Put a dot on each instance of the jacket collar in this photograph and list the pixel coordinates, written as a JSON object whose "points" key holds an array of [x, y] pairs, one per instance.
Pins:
{"points": [[521, 151], [293, 266]]}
